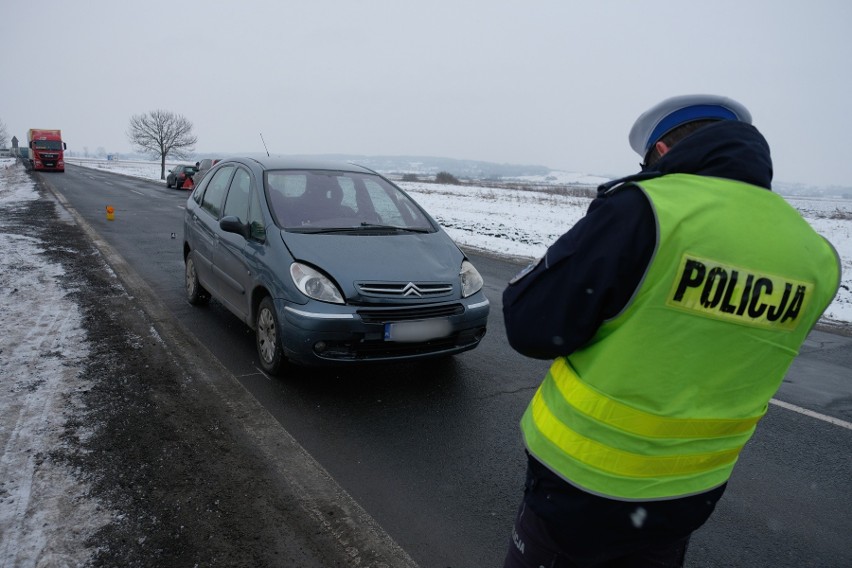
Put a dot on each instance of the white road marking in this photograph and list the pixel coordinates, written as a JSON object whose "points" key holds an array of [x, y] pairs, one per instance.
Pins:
{"points": [[812, 414], [262, 373]]}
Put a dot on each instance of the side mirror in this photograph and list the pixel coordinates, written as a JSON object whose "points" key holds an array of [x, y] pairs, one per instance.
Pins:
{"points": [[231, 224]]}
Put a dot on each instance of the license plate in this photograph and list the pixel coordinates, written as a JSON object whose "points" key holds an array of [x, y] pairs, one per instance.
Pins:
{"points": [[414, 331]]}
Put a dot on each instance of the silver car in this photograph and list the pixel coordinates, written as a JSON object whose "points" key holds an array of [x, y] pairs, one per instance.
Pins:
{"points": [[329, 264]]}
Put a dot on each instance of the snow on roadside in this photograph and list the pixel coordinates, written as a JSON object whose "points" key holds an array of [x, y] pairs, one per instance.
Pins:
{"points": [[518, 223], [523, 223], [43, 519], [839, 233]]}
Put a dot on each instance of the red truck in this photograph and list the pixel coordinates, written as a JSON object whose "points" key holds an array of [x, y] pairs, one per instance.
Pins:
{"points": [[46, 149]]}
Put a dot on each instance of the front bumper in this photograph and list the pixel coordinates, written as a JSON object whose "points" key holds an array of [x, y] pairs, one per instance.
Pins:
{"points": [[345, 334]]}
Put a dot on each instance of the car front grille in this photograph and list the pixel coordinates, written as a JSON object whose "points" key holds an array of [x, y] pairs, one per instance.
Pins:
{"points": [[402, 290], [383, 315]]}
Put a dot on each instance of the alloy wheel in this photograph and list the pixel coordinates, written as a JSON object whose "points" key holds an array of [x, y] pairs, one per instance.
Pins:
{"points": [[266, 334]]}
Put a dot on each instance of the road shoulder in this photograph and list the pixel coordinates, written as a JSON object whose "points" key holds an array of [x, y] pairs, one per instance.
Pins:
{"points": [[193, 469]]}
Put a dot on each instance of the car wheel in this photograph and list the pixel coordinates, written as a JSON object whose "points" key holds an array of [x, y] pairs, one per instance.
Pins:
{"points": [[195, 292], [268, 338], [168, 184]]}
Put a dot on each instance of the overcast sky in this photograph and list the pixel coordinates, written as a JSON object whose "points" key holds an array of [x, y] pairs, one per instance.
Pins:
{"points": [[553, 82]]}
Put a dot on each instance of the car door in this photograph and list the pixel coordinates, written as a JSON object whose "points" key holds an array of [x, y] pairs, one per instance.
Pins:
{"points": [[205, 227], [230, 262]]}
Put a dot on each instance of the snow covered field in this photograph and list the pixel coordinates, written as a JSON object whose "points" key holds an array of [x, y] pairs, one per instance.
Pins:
{"points": [[523, 223]]}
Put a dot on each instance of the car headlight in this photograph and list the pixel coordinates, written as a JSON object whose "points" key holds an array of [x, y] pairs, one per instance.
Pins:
{"points": [[314, 284], [471, 281]]}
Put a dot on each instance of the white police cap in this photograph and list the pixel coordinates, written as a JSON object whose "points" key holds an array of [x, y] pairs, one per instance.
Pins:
{"points": [[662, 118]]}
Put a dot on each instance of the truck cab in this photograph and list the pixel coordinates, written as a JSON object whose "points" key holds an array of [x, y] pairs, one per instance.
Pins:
{"points": [[46, 149]]}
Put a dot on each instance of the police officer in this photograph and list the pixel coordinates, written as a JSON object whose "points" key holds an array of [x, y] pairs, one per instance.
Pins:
{"points": [[672, 311]]}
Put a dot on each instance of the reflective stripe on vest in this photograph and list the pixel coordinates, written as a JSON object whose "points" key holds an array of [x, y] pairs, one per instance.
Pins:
{"points": [[620, 462], [586, 400]]}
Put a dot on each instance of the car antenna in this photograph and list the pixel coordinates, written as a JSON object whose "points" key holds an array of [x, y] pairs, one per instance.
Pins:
{"points": [[264, 144]]}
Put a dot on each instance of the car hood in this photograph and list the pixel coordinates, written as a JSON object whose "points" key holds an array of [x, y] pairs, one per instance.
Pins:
{"points": [[405, 257]]}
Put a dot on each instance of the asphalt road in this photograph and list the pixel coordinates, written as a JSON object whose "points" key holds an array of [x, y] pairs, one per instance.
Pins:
{"points": [[432, 450]]}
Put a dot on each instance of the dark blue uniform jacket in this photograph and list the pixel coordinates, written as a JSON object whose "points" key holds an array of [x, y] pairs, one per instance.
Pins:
{"points": [[589, 274]]}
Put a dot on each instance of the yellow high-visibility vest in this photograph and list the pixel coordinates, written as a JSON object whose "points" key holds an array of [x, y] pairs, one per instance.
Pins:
{"points": [[663, 398]]}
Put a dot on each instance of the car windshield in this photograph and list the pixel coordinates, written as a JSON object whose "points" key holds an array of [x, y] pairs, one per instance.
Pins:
{"points": [[329, 201]]}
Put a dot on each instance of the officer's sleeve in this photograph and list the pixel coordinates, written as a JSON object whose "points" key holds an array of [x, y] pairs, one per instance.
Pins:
{"points": [[588, 275]]}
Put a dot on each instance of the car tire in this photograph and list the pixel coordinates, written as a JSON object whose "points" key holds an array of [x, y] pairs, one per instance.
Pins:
{"points": [[168, 184], [268, 338], [195, 292]]}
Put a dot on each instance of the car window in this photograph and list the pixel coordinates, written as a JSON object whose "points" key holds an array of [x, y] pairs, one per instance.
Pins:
{"points": [[350, 197], [385, 206], [255, 218], [212, 200], [287, 184], [332, 199], [237, 202], [198, 192]]}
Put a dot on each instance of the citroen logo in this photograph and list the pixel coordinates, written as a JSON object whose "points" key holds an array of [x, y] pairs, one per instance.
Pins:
{"points": [[411, 289]]}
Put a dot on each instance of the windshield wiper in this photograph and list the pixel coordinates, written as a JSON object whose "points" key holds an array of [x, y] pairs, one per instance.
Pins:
{"points": [[368, 226]]}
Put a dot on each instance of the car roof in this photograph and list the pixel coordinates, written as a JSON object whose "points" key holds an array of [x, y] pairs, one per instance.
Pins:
{"points": [[276, 163]]}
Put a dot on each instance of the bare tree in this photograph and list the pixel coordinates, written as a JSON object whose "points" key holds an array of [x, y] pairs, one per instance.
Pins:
{"points": [[4, 134], [162, 133]]}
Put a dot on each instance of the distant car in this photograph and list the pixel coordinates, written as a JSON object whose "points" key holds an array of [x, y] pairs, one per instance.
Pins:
{"points": [[329, 264], [178, 175], [203, 167]]}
